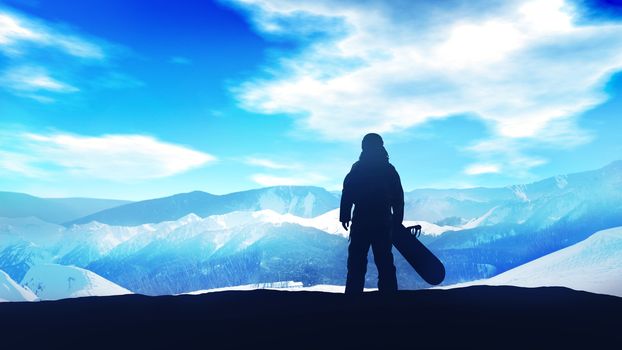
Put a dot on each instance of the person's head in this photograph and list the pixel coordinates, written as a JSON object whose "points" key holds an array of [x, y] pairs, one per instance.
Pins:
{"points": [[371, 141], [373, 149]]}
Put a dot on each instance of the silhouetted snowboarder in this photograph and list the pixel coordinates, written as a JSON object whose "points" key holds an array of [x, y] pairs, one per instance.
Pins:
{"points": [[373, 186]]}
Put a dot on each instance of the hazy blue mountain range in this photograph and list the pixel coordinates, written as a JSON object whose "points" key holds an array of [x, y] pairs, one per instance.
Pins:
{"points": [[551, 197], [297, 200], [448, 206], [554, 213], [55, 210], [260, 236]]}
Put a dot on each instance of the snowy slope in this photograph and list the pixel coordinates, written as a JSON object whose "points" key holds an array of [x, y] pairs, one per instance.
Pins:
{"points": [[593, 265], [52, 282], [29, 229], [83, 244], [30, 242], [11, 291], [290, 286]]}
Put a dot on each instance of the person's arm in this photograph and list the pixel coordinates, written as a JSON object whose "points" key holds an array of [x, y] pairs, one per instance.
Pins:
{"points": [[345, 209], [397, 199]]}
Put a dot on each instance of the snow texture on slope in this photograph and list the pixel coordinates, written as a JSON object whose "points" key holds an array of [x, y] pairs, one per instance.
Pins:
{"points": [[53, 282], [290, 286], [11, 291], [593, 265]]}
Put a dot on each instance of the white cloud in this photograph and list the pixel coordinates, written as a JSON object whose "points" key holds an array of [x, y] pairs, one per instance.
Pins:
{"points": [[43, 58], [270, 164], [111, 157], [293, 180], [12, 31], [28, 78], [17, 31], [525, 68], [478, 169], [12, 162]]}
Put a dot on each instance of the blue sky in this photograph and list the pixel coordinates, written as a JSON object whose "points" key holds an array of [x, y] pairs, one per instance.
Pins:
{"points": [[141, 99]]}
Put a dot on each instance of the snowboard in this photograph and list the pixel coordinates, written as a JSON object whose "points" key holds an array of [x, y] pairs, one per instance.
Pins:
{"points": [[427, 265]]}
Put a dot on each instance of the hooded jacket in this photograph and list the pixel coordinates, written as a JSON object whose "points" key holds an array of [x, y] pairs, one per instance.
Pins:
{"points": [[373, 186]]}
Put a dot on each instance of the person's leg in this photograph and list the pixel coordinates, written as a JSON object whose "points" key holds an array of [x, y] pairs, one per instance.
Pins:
{"points": [[357, 260], [383, 257]]}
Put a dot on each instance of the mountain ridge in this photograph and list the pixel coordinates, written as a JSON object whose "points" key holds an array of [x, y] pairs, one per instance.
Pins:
{"points": [[431, 205], [53, 210], [303, 201]]}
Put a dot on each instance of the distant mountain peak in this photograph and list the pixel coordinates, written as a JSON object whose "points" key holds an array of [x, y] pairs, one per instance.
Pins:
{"points": [[192, 217]]}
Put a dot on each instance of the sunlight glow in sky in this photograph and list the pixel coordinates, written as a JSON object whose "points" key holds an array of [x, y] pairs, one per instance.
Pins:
{"points": [[141, 99]]}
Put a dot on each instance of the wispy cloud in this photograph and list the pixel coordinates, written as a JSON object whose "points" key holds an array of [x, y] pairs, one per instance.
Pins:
{"points": [[17, 32], [280, 173], [293, 180], [111, 157], [20, 163], [34, 48], [525, 68], [28, 78], [269, 164], [478, 169]]}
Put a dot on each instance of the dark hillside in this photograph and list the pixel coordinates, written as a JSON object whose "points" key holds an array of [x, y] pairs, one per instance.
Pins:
{"points": [[475, 317]]}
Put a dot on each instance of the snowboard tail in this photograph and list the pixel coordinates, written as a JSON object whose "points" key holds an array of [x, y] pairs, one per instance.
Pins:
{"points": [[427, 265]]}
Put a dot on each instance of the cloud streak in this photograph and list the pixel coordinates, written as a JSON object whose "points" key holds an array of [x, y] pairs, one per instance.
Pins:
{"points": [[111, 157], [293, 180], [269, 164], [27, 78], [34, 48], [17, 32], [478, 169]]}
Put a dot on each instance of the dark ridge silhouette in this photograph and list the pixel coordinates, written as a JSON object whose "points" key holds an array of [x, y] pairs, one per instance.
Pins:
{"points": [[474, 317]]}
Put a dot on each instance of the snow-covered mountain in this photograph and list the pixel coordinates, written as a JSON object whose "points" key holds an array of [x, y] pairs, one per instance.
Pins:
{"points": [[545, 216], [11, 291], [29, 229], [53, 282], [303, 201], [504, 228], [199, 256], [538, 204], [593, 265], [180, 255]]}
